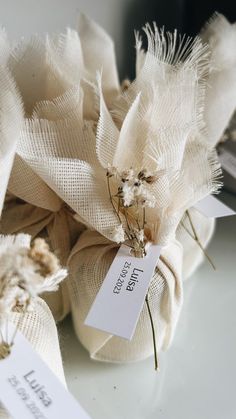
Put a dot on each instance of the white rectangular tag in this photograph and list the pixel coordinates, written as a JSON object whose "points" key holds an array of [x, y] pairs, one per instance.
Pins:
{"points": [[228, 162], [30, 390], [118, 304], [212, 207]]}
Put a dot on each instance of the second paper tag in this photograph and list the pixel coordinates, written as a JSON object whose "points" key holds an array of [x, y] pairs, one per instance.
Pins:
{"points": [[118, 304]]}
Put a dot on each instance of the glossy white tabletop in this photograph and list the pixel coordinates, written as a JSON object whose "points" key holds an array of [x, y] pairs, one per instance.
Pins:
{"points": [[197, 379]]}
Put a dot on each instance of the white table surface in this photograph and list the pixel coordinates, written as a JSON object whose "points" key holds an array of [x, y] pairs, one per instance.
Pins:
{"points": [[197, 379]]}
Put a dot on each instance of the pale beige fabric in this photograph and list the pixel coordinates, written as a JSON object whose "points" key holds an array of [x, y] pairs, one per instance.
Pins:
{"points": [[74, 125], [60, 230], [55, 78], [40, 329], [88, 264], [11, 118], [187, 168]]}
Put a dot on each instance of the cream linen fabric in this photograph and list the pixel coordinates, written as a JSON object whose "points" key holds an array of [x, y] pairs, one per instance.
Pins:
{"points": [[56, 79], [58, 227], [60, 165], [40, 330], [11, 118], [88, 264]]}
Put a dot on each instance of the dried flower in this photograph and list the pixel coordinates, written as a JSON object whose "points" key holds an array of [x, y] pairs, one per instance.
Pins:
{"points": [[127, 175], [145, 198], [127, 195], [151, 179], [111, 171], [134, 195], [25, 273], [139, 235], [147, 177], [118, 234], [5, 350]]}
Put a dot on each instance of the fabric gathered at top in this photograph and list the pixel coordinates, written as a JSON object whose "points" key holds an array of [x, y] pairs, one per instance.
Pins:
{"points": [[65, 119]]}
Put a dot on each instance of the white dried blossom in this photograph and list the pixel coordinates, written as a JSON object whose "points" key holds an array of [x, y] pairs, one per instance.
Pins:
{"points": [[128, 194], [25, 273], [144, 197], [118, 234], [139, 234], [127, 175]]}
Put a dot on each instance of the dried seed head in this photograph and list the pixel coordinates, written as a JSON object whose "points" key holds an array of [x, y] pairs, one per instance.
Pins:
{"points": [[127, 175], [137, 183], [39, 252], [142, 174], [151, 179], [25, 273], [111, 171]]}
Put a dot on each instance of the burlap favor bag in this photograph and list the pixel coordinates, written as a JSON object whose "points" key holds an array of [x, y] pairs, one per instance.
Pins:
{"points": [[88, 264], [55, 78], [150, 143], [55, 224]]}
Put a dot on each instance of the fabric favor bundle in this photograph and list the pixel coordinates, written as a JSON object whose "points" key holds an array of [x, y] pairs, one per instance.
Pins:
{"points": [[126, 136], [26, 270], [38, 326], [93, 160]]}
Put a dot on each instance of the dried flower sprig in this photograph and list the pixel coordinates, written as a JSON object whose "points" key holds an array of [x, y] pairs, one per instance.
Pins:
{"points": [[195, 237], [26, 271], [132, 194], [153, 333]]}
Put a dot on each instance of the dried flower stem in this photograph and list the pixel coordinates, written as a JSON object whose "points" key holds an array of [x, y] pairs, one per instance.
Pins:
{"points": [[144, 217], [134, 194], [153, 334], [5, 350], [5, 346], [1, 336], [111, 199], [21, 314], [196, 238]]}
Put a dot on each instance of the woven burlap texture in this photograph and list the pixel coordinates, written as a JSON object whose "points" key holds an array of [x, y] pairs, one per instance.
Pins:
{"points": [[56, 149], [43, 71], [89, 263]]}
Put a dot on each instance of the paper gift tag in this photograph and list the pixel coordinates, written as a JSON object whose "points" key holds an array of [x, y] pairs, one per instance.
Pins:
{"points": [[118, 304], [30, 390], [212, 207]]}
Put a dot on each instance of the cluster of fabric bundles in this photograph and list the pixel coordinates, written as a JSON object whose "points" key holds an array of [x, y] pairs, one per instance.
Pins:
{"points": [[65, 118]]}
